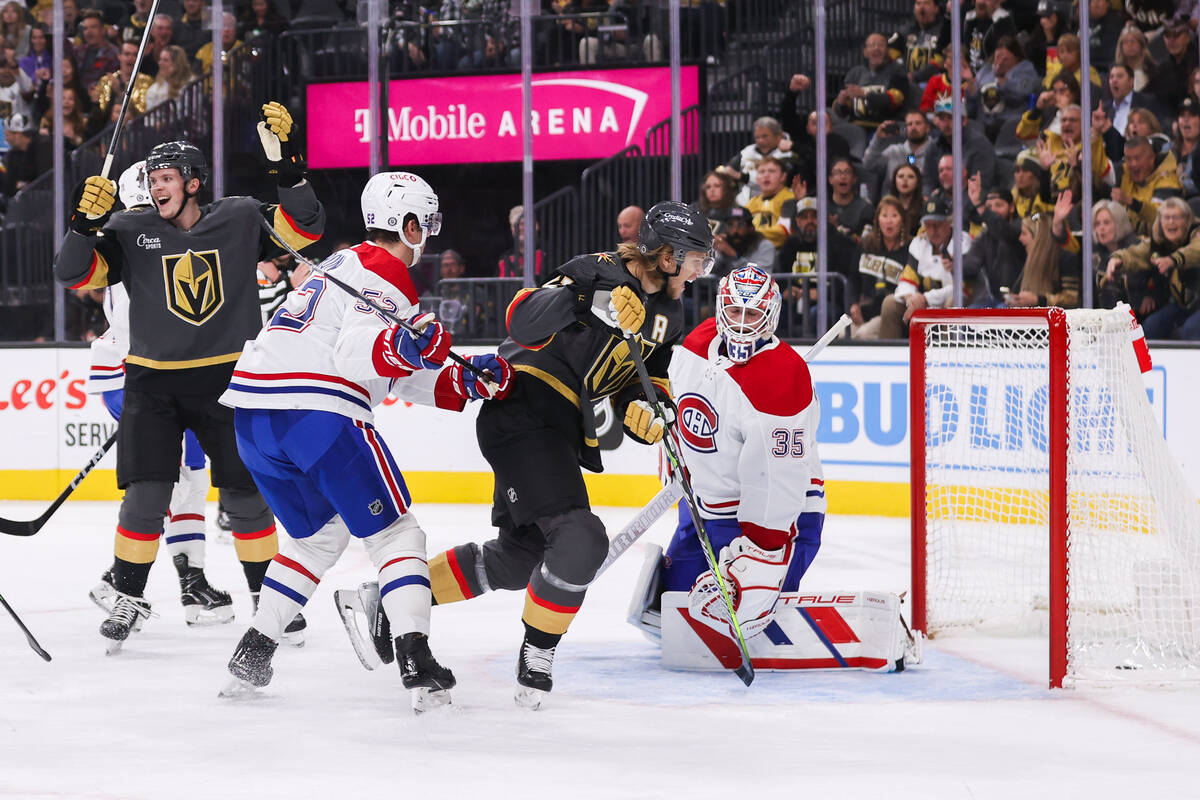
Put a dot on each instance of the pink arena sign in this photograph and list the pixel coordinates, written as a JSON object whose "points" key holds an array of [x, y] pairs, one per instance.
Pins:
{"points": [[582, 114]]}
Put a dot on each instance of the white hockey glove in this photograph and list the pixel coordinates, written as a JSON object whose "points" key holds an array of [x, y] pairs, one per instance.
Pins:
{"points": [[753, 576]]}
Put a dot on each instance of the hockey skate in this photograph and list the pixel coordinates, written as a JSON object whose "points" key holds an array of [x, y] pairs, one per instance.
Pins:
{"points": [[104, 593], [364, 619], [224, 526], [428, 680], [202, 604], [293, 634], [126, 617], [250, 665], [533, 675]]}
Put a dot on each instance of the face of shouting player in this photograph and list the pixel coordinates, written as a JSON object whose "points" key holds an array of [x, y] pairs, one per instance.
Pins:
{"points": [[167, 191], [693, 267]]}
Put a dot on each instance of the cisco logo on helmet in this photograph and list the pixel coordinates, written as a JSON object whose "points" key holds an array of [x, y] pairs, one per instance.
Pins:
{"points": [[698, 423]]}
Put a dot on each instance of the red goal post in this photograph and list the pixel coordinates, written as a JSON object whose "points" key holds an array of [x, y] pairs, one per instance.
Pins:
{"points": [[1043, 495]]}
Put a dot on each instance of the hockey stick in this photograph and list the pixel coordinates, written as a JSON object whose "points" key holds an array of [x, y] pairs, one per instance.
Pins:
{"points": [[315, 267], [137, 65], [670, 494], [37, 648], [745, 670], [20, 528]]}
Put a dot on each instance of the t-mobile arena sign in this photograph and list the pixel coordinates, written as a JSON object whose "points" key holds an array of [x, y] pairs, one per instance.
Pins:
{"points": [[473, 119]]}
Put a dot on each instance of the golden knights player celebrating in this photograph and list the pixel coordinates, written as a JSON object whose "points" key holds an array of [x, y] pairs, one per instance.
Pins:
{"points": [[568, 348], [189, 271]]}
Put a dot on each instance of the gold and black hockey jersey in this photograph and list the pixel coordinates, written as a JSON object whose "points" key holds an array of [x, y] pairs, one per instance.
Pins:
{"points": [[569, 360], [193, 294]]}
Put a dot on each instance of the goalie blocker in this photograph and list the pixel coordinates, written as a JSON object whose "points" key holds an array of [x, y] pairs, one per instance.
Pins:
{"points": [[809, 630]]}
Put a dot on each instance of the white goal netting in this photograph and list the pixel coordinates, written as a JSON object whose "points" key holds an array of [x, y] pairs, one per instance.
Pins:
{"points": [[1133, 524]]}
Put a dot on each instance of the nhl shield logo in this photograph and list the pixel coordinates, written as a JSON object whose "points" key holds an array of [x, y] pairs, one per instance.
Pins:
{"points": [[376, 507], [193, 282], [698, 423]]}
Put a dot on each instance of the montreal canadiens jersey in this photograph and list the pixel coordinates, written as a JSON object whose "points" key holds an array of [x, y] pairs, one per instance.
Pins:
{"points": [[108, 351], [318, 350], [749, 432]]}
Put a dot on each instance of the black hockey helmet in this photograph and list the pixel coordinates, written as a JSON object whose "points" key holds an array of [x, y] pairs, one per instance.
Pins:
{"points": [[183, 156], [673, 224]]}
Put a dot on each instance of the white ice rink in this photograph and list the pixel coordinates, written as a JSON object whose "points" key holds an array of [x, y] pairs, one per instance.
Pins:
{"points": [[974, 721]]}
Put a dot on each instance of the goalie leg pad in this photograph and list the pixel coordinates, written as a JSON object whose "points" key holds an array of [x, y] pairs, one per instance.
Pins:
{"points": [[293, 575], [644, 610], [810, 631], [398, 552]]}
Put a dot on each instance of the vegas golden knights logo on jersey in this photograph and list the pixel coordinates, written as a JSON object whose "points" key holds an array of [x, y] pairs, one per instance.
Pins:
{"points": [[193, 283], [613, 369]]}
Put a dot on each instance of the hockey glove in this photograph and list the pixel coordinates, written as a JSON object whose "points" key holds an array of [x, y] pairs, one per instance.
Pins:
{"points": [[644, 423], [414, 351], [621, 309], [472, 387], [753, 577], [277, 133], [92, 204]]}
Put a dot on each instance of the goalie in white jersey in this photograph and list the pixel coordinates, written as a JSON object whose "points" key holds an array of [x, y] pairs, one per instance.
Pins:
{"points": [[747, 420], [304, 390]]}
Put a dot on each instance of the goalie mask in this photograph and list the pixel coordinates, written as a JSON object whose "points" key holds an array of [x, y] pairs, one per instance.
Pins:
{"points": [[133, 187], [747, 311], [390, 197], [673, 224]]}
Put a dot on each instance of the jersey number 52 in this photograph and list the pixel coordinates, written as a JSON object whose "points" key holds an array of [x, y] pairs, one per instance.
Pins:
{"points": [[788, 442]]}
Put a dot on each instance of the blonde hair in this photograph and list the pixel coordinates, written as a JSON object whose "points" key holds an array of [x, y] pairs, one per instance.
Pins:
{"points": [[181, 71], [1120, 217], [1179, 204], [1040, 274], [1133, 32], [631, 252]]}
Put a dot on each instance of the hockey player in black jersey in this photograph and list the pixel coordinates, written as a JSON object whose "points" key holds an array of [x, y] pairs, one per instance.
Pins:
{"points": [[567, 344], [189, 271]]}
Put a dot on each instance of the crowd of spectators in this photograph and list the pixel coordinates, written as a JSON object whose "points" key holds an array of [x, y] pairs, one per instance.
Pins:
{"points": [[891, 173]]}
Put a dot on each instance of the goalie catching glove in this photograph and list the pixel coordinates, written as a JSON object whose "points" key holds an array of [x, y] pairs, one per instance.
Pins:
{"points": [[92, 204], [277, 133], [620, 308], [472, 387], [753, 577], [399, 351]]}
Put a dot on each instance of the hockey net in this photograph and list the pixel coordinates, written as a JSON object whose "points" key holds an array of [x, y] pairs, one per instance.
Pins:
{"points": [[1044, 495]]}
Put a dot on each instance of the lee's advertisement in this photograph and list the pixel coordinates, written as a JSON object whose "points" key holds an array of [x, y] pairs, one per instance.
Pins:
{"points": [[478, 119], [49, 429]]}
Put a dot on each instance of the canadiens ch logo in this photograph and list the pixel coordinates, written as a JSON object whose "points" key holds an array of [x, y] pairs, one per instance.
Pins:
{"points": [[698, 423], [193, 281]]}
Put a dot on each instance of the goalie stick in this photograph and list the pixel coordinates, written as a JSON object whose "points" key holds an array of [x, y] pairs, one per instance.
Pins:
{"points": [[388, 315], [33, 642], [20, 528]]}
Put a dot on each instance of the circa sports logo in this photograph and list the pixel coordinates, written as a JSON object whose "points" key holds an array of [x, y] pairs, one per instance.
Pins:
{"points": [[698, 423], [149, 242]]}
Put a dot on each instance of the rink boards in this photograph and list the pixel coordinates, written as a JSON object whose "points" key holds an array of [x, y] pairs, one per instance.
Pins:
{"points": [[49, 428]]}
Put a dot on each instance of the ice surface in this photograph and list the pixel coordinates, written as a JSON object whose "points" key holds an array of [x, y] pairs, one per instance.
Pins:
{"points": [[975, 721]]}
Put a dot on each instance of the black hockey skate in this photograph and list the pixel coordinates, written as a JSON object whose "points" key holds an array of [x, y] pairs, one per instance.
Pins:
{"points": [[429, 681], [125, 618], [202, 604], [251, 665], [534, 681], [293, 634]]}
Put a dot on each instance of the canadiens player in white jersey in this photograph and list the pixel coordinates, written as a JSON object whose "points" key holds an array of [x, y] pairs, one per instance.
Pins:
{"points": [[183, 529], [303, 393], [747, 420]]}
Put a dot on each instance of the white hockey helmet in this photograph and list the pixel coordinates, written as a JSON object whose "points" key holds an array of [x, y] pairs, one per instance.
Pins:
{"points": [[388, 199], [748, 302], [133, 187]]}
